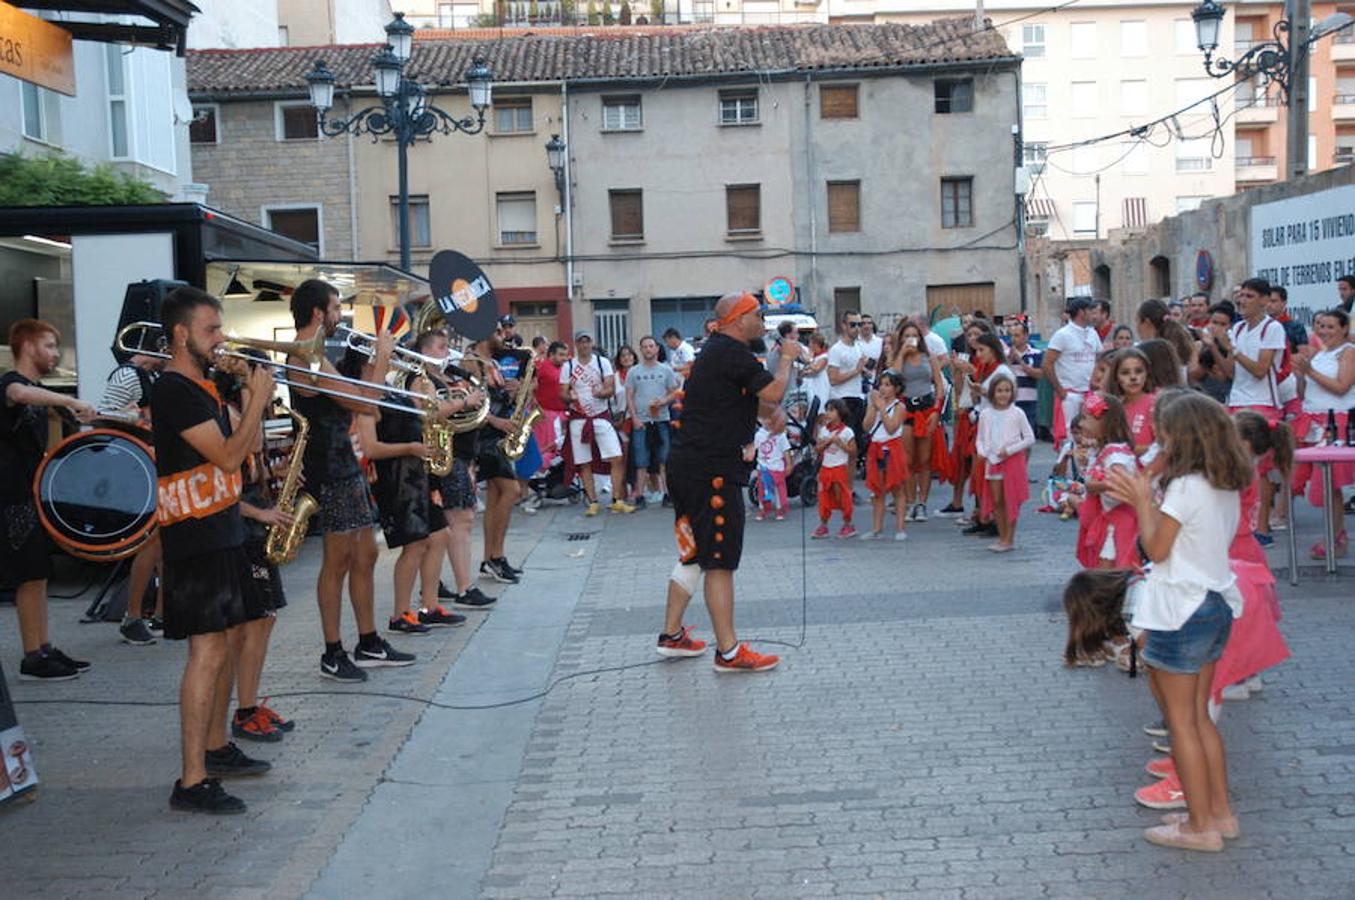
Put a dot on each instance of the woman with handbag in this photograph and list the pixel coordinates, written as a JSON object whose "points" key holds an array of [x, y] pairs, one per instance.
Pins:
{"points": [[923, 396]]}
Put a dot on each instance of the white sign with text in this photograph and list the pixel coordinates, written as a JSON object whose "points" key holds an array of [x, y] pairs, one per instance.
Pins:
{"points": [[1305, 244]]}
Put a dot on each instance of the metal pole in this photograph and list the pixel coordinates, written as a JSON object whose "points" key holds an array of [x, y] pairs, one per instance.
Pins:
{"points": [[1299, 13], [402, 139]]}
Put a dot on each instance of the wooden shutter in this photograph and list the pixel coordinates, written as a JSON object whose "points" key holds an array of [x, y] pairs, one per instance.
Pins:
{"points": [[628, 220], [743, 205], [837, 101], [299, 122], [844, 206]]}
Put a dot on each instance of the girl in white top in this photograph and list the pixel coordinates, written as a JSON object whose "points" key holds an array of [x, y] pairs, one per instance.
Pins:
{"points": [[886, 459], [1189, 599], [1003, 439], [1329, 386]]}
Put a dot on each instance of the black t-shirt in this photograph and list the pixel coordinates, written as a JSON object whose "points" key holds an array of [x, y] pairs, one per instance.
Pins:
{"points": [[329, 453], [199, 505], [23, 440], [719, 410]]}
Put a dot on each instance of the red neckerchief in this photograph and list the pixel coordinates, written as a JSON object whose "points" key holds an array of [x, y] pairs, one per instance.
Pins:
{"points": [[1105, 330], [983, 370], [1281, 318]]}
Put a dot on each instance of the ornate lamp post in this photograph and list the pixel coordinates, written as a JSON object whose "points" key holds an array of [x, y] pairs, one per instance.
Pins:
{"points": [[555, 158], [404, 112]]}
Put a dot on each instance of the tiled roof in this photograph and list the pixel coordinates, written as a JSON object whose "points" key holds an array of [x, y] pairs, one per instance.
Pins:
{"points": [[613, 54]]}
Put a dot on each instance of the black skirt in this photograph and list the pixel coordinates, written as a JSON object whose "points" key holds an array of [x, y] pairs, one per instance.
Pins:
{"points": [[211, 592]]}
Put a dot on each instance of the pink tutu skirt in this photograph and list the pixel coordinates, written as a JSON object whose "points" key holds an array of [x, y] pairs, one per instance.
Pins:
{"points": [[1015, 487], [1255, 643]]}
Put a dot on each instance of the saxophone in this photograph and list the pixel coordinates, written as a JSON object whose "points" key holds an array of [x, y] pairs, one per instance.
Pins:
{"points": [[524, 417], [437, 437], [284, 541]]}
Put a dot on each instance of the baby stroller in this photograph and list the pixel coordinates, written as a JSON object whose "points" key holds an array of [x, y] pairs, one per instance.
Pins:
{"points": [[802, 480]]}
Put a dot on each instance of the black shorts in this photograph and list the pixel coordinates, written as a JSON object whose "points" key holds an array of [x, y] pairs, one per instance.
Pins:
{"points": [[457, 487], [25, 548], [406, 503], [211, 592], [492, 463], [266, 576], [345, 505], [709, 516]]}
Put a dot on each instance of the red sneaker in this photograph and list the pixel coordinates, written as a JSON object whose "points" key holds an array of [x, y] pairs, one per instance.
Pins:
{"points": [[820, 533], [278, 721], [681, 647], [256, 728], [847, 531], [1165, 794], [745, 660], [1161, 767]]}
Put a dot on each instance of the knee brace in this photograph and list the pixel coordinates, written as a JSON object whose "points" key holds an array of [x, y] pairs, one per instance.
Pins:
{"points": [[686, 576]]}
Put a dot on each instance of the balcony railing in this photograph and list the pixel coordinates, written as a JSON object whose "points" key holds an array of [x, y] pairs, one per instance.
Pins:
{"points": [[1194, 164], [1258, 100], [1255, 161], [1243, 46], [1344, 156], [1343, 99], [1344, 36]]}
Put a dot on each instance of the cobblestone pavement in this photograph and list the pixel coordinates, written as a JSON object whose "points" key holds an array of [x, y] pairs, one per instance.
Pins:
{"points": [[923, 741]]}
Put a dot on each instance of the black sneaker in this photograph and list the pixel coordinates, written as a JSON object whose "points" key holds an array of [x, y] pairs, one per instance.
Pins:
{"points": [[491, 568], [440, 618], [408, 623], [444, 592], [46, 668], [231, 762], [381, 654], [978, 528], [156, 624], [136, 632], [340, 668], [950, 511], [667, 502], [78, 665], [474, 598], [507, 566], [207, 796]]}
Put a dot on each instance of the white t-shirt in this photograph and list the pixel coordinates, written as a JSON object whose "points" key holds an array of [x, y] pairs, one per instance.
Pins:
{"points": [[1198, 561], [871, 348], [680, 356], [587, 381], [880, 433], [1316, 398], [1078, 348], [834, 455], [844, 357], [817, 385], [771, 449], [936, 346], [1248, 390]]}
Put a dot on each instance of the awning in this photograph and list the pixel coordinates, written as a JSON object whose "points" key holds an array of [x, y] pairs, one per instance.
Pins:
{"points": [[1039, 208], [1135, 212], [364, 284], [157, 23]]}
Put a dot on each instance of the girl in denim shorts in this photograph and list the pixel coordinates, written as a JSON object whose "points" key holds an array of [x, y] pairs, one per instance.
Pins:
{"points": [[1189, 599]]}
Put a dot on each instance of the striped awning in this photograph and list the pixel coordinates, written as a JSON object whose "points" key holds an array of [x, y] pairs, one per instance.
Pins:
{"points": [[1135, 212], [1039, 208]]}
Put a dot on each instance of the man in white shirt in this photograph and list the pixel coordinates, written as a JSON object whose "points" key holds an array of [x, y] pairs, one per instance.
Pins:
{"points": [[681, 355], [1068, 363], [846, 363], [872, 345], [1254, 347], [586, 383], [936, 345]]}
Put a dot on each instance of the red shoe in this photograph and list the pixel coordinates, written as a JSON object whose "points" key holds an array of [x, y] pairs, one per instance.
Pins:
{"points": [[820, 533], [681, 647], [745, 660], [847, 531], [257, 727], [278, 721], [1165, 794], [1161, 767]]}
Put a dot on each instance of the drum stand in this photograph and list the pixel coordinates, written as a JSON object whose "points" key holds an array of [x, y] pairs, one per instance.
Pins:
{"points": [[96, 608]]}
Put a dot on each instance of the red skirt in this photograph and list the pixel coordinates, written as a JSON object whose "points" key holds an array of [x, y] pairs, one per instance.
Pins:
{"points": [[1255, 643], [1015, 487], [1095, 522], [886, 479], [962, 448]]}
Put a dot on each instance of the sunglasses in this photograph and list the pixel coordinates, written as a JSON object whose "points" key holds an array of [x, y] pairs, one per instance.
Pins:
{"points": [[853, 324]]}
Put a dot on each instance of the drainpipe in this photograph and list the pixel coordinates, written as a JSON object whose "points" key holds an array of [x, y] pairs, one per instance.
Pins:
{"points": [[1019, 130], [568, 199], [355, 242], [813, 205]]}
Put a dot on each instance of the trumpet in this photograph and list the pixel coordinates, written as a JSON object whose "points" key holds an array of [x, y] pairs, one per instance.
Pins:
{"points": [[311, 351], [403, 359]]}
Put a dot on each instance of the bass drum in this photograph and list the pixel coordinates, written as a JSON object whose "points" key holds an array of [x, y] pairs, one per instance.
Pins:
{"points": [[96, 494]]}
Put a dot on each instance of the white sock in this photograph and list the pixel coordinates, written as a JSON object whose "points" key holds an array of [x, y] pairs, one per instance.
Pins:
{"points": [[729, 657]]}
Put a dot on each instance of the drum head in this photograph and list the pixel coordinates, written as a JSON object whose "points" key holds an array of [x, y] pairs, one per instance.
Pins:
{"points": [[97, 494]]}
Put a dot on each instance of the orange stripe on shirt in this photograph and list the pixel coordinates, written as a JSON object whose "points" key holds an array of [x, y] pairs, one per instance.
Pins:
{"points": [[197, 493]]}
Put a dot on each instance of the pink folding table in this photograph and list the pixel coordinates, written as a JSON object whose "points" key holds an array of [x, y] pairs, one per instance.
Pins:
{"points": [[1323, 458]]}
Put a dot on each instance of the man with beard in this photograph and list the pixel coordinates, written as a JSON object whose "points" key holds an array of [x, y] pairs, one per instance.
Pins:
{"points": [[210, 593], [493, 468], [347, 512], [25, 551]]}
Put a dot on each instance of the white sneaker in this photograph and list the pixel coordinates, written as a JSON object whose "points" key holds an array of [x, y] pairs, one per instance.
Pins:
{"points": [[1254, 684], [871, 535], [1234, 692], [921, 514], [1279, 525], [900, 535]]}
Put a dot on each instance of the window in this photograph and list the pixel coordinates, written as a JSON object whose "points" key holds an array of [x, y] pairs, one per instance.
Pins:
{"points": [[119, 142], [1194, 155], [445, 15], [1134, 38], [419, 228], [844, 206], [957, 202], [35, 119], [1133, 98], [622, 113], [1034, 101], [954, 95], [517, 217], [297, 121], [845, 300], [628, 215], [1186, 204], [1084, 103], [1185, 36], [1033, 155], [300, 223], [1037, 227], [513, 115], [1082, 36], [738, 107], [1032, 41], [202, 129], [1084, 219], [743, 208], [837, 101], [284, 39]]}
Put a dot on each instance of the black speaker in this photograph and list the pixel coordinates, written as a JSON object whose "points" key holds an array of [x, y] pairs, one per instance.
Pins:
{"points": [[141, 303]]}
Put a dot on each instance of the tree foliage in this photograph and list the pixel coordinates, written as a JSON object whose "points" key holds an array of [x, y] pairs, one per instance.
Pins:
{"points": [[57, 180]]}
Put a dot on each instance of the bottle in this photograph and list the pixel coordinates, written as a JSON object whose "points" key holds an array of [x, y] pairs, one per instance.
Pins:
{"points": [[1350, 427], [1329, 437]]}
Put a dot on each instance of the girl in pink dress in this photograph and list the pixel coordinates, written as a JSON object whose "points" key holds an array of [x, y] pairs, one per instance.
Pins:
{"points": [[1129, 379], [1004, 436], [1106, 528]]}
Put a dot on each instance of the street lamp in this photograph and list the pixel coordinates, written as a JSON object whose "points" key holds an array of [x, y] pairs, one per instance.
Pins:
{"points": [[555, 158], [405, 111], [1267, 58]]}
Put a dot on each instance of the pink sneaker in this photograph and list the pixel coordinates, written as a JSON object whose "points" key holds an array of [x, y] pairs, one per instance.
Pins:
{"points": [[1161, 767], [1165, 794], [820, 533], [760, 516], [1172, 836], [848, 531], [780, 515]]}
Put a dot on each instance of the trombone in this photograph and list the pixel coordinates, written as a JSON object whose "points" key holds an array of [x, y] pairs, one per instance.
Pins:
{"points": [[402, 358], [312, 351]]}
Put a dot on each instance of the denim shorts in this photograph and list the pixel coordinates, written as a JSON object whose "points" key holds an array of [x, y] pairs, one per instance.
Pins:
{"points": [[1195, 644], [640, 445]]}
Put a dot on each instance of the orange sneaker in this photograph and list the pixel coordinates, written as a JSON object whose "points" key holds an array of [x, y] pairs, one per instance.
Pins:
{"points": [[680, 647], [1165, 794], [1161, 767], [257, 727], [278, 721], [745, 660]]}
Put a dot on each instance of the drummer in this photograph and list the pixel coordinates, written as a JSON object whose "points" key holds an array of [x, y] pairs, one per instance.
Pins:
{"points": [[25, 551], [128, 391]]}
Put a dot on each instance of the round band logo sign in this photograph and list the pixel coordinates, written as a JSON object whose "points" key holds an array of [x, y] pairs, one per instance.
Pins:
{"points": [[463, 293]]}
